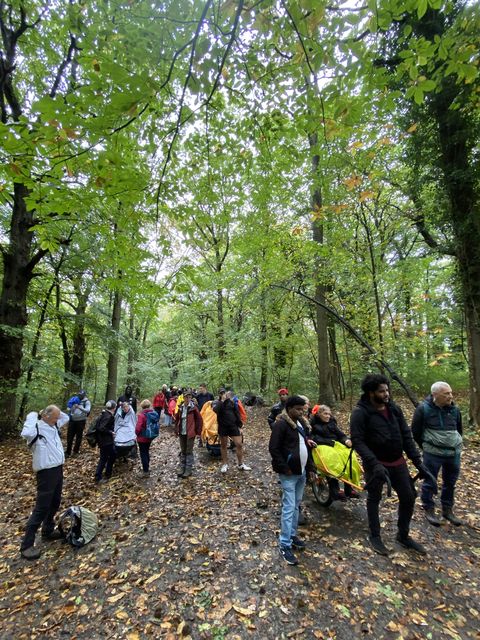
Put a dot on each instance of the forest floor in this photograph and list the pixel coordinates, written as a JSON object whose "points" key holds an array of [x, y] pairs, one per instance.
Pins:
{"points": [[199, 559]]}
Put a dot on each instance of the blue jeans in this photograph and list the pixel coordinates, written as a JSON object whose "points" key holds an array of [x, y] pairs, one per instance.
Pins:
{"points": [[292, 487], [450, 466]]}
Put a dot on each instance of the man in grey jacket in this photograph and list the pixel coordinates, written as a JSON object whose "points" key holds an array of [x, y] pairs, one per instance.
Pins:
{"points": [[79, 407], [437, 429], [43, 438]]}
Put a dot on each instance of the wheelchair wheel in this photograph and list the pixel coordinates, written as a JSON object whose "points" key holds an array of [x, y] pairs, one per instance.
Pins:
{"points": [[321, 491]]}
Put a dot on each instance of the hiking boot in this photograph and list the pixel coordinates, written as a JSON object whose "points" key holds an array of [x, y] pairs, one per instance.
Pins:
{"points": [[244, 467], [30, 554], [353, 494], [431, 517], [187, 473], [53, 535], [409, 543], [451, 517], [378, 546], [297, 543], [288, 555], [224, 468], [146, 474]]}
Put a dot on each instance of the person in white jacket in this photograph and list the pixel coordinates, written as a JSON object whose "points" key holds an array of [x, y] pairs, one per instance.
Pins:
{"points": [[41, 431], [125, 422]]}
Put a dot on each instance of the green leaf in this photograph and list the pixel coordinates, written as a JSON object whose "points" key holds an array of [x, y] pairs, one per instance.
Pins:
{"points": [[422, 8]]}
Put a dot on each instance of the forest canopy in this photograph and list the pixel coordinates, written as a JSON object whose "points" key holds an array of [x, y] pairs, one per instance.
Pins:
{"points": [[259, 194]]}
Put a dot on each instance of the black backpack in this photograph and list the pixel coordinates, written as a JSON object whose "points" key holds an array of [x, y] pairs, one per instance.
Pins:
{"points": [[92, 433]]}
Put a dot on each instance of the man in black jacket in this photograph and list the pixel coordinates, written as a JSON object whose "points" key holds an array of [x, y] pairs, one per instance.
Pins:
{"points": [[278, 407], [105, 430], [380, 435], [289, 450]]}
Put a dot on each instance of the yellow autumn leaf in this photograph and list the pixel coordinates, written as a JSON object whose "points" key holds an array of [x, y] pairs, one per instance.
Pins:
{"points": [[121, 614], [116, 598], [155, 576], [243, 611], [412, 128]]}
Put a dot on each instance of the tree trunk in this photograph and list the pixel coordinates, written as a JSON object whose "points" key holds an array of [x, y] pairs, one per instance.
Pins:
{"points": [[78, 339], [263, 347], [17, 274], [324, 373], [456, 149], [112, 366]]}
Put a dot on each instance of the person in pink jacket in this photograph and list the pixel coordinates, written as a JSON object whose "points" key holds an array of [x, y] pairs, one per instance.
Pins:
{"points": [[188, 424], [144, 442]]}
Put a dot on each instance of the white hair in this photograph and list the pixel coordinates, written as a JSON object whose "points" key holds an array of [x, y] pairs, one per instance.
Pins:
{"points": [[438, 386]]}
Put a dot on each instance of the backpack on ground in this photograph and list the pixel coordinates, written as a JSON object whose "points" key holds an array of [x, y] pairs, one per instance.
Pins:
{"points": [[78, 525], [92, 433], [152, 428]]}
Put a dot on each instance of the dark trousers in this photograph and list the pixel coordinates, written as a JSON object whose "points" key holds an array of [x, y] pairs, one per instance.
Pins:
{"points": [[450, 466], [145, 454], [335, 487], [75, 432], [107, 458], [186, 445], [49, 496], [402, 484]]}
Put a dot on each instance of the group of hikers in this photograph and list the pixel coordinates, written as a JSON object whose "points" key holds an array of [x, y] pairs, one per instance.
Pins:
{"points": [[378, 433]]}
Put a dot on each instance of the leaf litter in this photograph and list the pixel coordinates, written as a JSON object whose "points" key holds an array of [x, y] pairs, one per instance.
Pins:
{"points": [[198, 558]]}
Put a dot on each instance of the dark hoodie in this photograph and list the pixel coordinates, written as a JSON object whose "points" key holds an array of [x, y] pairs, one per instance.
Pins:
{"points": [[377, 439], [128, 397]]}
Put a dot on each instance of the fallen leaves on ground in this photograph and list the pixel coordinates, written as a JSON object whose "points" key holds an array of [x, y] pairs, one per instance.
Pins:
{"points": [[198, 558]]}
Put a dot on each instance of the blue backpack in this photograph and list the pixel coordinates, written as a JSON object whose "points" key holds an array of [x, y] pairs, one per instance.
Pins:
{"points": [[152, 428]]}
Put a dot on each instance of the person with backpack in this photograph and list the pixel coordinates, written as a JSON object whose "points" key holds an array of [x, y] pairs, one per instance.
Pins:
{"points": [[188, 424], [79, 407], [104, 430], [41, 431], [146, 430]]}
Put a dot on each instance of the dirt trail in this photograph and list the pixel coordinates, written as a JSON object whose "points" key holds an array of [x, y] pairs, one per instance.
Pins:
{"points": [[199, 558]]}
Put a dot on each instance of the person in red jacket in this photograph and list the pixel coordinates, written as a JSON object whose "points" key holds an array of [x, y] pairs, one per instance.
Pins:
{"points": [[160, 400], [143, 442], [188, 425]]}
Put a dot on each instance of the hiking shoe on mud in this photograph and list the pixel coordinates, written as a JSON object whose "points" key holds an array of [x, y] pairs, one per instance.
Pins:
{"points": [[432, 518], [451, 517], [244, 467], [410, 543], [297, 543], [224, 468], [288, 555], [30, 554], [377, 545]]}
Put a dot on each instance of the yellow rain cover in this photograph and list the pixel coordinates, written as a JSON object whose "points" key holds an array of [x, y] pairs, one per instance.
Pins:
{"points": [[334, 461], [210, 426]]}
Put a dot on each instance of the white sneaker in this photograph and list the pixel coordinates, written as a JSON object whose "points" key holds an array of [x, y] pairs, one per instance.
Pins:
{"points": [[244, 467], [224, 468]]}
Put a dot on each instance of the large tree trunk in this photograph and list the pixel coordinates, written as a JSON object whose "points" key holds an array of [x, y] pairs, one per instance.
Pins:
{"points": [[456, 149], [112, 366], [78, 338], [324, 372], [17, 274]]}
